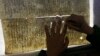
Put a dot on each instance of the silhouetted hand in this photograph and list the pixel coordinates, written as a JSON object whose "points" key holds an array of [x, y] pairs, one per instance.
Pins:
{"points": [[78, 23], [56, 38]]}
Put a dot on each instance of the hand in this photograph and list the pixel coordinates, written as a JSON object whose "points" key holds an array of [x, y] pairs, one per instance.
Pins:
{"points": [[78, 23], [56, 40]]}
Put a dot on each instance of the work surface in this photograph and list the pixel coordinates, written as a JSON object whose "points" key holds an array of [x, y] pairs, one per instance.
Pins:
{"points": [[85, 50]]}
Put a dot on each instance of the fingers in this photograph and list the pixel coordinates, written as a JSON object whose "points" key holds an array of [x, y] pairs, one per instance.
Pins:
{"points": [[64, 30], [76, 18], [47, 31], [58, 27], [71, 17], [71, 26], [52, 31], [75, 22], [66, 42]]}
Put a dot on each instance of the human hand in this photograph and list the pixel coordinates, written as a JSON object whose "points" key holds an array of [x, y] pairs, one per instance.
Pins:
{"points": [[55, 38], [78, 23]]}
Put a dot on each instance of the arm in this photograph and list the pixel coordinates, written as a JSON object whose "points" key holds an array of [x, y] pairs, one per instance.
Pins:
{"points": [[78, 23], [94, 37]]}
